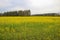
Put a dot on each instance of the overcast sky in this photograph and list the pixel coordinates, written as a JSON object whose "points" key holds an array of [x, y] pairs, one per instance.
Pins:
{"points": [[36, 6]]}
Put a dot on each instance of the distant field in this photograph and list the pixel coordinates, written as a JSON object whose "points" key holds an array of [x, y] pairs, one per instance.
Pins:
{"points": [[30, 28], [29, 19]]}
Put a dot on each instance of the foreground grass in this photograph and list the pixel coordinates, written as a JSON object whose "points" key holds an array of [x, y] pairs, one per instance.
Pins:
{"points": [[31, 28], [30, 31]]}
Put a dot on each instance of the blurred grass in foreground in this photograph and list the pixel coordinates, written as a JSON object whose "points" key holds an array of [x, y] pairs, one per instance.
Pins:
{"points": [[31, 28]]}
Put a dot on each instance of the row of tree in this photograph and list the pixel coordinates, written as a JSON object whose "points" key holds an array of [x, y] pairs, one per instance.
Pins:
{"points": [[16, 13], [47, 14], [26, 13]]}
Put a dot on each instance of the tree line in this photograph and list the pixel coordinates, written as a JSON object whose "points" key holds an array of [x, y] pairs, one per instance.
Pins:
{"points": [[16, 13], [26, 13], [47, 14]]}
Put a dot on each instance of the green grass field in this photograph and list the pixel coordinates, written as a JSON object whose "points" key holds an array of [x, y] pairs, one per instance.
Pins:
{"points": [[41, 29]]}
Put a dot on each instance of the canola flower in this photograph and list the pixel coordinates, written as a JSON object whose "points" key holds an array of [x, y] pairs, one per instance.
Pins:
{"points": [[28, 19], [29, 28]]}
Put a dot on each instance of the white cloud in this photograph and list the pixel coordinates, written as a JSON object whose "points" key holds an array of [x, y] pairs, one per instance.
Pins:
{"points": [[13, 4], [44, 6], [36, 6], [16, 8], [41, 3], [5, 3]]}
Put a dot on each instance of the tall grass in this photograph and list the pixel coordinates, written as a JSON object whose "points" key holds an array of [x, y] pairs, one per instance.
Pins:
{"points": [[30, 31]]}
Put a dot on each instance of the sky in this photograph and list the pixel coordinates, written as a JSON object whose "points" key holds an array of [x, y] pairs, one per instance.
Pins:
{"points": [[36, 6]]}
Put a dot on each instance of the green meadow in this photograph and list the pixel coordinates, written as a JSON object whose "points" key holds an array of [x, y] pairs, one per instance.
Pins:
{"points": [[30, 31]]}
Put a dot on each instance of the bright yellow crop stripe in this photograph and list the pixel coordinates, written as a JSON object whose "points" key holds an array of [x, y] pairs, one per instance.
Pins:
{"points": [[28, 19]]}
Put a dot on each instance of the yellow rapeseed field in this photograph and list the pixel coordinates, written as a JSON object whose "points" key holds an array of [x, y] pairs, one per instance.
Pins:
{"points": [[28, 19], [30, 28]]}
